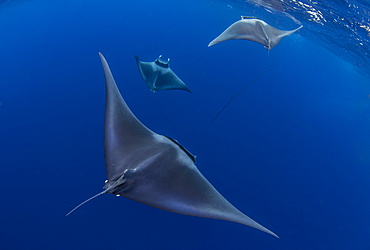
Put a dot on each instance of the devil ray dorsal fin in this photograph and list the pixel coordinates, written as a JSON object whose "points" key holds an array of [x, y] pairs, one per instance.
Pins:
{"points": [[247, 17], [192, 157]]}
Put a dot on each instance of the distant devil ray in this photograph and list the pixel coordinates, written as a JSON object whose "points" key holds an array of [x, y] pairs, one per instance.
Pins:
{"points": [[159, 76], [253, 29], [154, 169]]}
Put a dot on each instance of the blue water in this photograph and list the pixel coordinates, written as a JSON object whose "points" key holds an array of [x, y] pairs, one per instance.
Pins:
{"points": [[292, 151]]}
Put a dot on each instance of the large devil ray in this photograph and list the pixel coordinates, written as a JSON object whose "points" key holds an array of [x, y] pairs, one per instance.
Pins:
{"points": [[159, 76], [253, 29], [156, 170]]}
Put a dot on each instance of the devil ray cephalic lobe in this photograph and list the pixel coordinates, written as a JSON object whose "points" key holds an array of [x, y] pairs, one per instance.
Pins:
{"points": [[159, 76], [155, 170], [253, 29]]}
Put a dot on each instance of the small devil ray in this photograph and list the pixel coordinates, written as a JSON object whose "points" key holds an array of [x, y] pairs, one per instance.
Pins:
{"points": [[154, 169], [159, 76], [253, 29]]}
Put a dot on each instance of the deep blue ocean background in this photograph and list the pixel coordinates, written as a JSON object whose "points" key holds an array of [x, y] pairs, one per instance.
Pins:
{"points": [[292, 151]]}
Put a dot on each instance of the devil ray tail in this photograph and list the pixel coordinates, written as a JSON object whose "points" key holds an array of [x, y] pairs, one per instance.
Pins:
{"points": [[244, 87], [159, 109]]}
